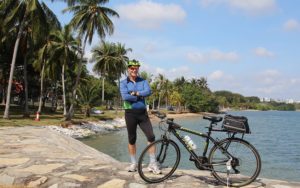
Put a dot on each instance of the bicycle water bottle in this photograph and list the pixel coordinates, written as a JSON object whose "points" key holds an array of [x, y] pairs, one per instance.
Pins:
{"points": [[189, 142]]}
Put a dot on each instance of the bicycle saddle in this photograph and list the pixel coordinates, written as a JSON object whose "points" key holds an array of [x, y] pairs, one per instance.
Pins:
{"points": [[213, 119]]}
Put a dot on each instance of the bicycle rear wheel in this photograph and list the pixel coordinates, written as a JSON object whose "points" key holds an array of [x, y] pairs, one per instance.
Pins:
{"points": [[167, 155], [245, 166]]}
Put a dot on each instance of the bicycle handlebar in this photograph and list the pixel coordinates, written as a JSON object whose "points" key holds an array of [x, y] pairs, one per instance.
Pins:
{"points": [[159, 114]]}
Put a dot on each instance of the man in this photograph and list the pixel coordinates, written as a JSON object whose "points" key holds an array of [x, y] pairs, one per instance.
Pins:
{"points": [[134, 89]]}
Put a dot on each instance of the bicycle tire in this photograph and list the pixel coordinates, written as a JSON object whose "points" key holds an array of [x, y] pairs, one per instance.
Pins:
{"points": [[244, 169], [167, 156]]}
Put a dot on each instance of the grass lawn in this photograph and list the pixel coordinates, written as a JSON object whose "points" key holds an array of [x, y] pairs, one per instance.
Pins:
{"points": [[50, 118]]}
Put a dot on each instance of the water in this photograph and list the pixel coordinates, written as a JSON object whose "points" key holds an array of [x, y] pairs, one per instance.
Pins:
{"points": [[275, 135]]}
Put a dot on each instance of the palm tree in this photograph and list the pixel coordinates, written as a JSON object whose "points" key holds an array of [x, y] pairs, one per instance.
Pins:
{"points": [[103, 57], [176, 99], [20, 13], [203, 83], [64, 47], [166, 91], [161, 81], [121, 61], [87, 96], [40, 64], [146, 76], [89, 16]]}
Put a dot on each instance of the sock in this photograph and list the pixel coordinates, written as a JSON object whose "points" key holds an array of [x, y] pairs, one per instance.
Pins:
{"points": [[133, 159], [152, 158]]}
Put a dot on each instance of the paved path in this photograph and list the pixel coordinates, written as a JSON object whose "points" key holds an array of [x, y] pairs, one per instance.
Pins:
{"points": [[40, 157]]}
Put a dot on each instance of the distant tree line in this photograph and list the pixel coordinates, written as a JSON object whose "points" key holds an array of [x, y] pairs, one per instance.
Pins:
{"points": [[231, 100]]}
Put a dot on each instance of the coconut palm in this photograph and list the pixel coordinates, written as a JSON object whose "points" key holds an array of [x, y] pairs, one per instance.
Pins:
{"points": [[87, 96], [160, 86], [64, 47], [166, 91], [104, 57], [176, 99], [89, 16], [21, 13], [40, 64], [121, 61]]}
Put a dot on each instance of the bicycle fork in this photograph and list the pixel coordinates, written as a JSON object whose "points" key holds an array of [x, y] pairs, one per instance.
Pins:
{"points": [[162, 152]]}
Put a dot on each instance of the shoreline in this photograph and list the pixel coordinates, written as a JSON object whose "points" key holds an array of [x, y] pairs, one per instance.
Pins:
{"points": [[89, 128], [31, 159]]}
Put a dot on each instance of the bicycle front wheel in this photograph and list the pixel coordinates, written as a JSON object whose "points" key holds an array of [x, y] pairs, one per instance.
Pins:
{"points": [[167, 156], [244, 167]]}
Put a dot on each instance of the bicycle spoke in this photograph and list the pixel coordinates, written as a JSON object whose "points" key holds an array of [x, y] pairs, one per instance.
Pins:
{"points": [[167, 155], [245, 166]]}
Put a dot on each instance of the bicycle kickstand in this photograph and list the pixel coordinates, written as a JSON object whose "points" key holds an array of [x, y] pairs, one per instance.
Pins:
{"points": [[228, 165]]}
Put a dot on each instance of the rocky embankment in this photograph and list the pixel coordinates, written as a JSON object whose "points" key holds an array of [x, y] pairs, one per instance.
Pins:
{"points": [[41, 157], [85, 129]]}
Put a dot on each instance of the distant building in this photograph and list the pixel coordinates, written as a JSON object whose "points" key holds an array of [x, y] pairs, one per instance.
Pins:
{"points": [[289, 101], [265, 99]]}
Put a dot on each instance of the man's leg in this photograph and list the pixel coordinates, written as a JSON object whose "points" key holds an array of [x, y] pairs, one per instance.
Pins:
{"points": [[146, 127], [132, 153], [131, 124]]}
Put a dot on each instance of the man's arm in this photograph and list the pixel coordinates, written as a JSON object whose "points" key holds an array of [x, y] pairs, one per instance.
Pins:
{"points": [[146, 90], [125, 93]]}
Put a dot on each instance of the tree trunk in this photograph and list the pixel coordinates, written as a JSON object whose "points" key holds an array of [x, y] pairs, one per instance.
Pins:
{"points": [[158, 105], [26, 109], [87, 112], [119, 97], [103, 90], [70, 112], [153, 107], [53, 99], [12, 69], [3, 92], [64, 89], [166, 102], [42, 88]]}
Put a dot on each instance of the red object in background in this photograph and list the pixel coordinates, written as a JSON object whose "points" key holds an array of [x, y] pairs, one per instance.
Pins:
{"points": [[37, 117]]}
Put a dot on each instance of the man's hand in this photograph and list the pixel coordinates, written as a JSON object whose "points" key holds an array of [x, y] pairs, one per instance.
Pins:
{"points": [[134, 93]]}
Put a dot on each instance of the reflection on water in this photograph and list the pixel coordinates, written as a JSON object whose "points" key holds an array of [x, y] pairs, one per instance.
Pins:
{"points": [[274, 134]]}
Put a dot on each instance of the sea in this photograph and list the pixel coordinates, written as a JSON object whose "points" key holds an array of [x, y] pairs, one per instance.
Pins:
{"points": [[275, 134]]}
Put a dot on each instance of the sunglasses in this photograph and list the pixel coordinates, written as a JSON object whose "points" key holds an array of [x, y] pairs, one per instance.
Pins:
{"points": [[133, 68]]}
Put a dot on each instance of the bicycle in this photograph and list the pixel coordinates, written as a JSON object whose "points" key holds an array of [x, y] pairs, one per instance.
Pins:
{"points": [[232, 161]]}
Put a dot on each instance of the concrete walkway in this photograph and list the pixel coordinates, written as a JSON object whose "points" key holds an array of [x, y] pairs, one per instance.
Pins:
{"points": [[40, 157]]}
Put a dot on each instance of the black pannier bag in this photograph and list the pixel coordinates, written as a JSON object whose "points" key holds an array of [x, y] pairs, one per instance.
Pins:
{"points": [[238, 124]]}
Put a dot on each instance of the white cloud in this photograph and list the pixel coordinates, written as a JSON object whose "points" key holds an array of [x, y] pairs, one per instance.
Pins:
{"points": [[271, 73], [263, 52], [291, 25], [219, 75], [213, 55], [170, 74], [251, 7], [148, 14]]}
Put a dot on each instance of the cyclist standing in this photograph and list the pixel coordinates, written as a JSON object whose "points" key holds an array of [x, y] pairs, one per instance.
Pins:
{"points": [[134, 89]]}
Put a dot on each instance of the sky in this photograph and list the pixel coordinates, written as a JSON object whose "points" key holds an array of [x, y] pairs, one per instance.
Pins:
{"points": [[250, 47]]}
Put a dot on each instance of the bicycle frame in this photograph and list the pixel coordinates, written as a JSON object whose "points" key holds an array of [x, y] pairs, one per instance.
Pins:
{"points": [[173, 128]]}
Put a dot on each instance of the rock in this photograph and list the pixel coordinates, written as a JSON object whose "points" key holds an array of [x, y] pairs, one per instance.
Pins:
{"points": [[41, 169], [54, 186], [137, 185], [76, 177], [115, 183], [13, 161], [6, 180], [71, 185], [37, 182]]}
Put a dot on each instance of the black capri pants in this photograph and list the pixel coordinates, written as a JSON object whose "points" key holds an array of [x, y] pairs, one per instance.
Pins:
{"points": [[134, 117]]}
